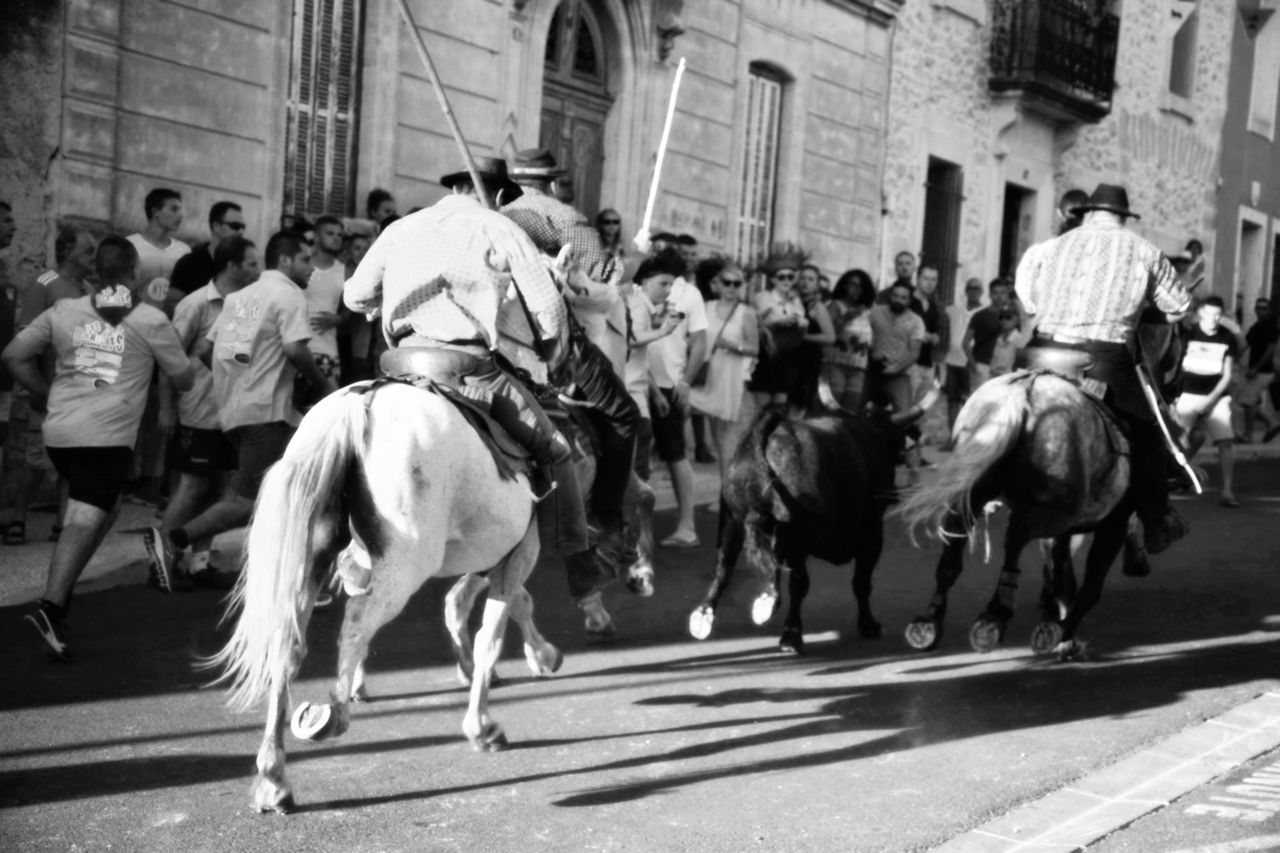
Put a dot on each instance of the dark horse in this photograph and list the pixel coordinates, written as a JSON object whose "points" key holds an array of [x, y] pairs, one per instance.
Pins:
{"points": [[817, 486]]}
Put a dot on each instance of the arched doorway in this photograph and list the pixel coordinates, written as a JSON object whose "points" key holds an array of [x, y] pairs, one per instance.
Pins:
{"points": [[576, 99]]}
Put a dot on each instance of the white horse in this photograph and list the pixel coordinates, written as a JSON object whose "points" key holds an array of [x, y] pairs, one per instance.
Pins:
{"points": [[400, 474]]}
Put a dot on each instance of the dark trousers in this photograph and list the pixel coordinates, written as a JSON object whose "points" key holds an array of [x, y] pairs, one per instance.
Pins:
{"points": [[1148, 457], [592, 379]]}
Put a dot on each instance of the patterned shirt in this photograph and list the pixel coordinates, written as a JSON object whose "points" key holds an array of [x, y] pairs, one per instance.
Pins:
{"points": [[1091, 283], [551, 224], [447, 272]]}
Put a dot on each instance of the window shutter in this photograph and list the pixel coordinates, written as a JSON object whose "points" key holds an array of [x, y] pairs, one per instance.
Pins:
{"points": [[322, 107], [759, 166]]}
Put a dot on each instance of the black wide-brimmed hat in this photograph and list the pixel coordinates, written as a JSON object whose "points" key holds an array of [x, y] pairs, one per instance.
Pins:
{"points": [[1107, 197], [536, 163], [491, 170]]}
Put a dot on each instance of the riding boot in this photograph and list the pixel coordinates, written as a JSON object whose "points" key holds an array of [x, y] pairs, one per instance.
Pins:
{"points": [[1148, 475]]}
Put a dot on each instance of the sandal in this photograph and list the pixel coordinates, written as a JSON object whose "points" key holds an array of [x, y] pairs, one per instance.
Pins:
{"points": [[15, 533]]}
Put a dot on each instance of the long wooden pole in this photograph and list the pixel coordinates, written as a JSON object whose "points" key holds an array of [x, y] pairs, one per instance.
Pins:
{"points": [[643, 234], [416, 35]]}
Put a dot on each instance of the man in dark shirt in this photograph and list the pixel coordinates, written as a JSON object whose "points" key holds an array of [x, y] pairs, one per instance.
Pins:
{"points": [[1259, 371], [193, 271], [983, 332], [1204, 407]]}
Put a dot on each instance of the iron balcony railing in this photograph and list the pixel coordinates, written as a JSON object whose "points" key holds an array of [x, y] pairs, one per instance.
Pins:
{"points": [[1060, 54]]}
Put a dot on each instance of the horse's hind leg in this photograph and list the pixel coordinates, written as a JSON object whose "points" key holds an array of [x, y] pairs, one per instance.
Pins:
{"points": [[543, 657], [1058, 593], [506, 582], [1107, 543], [364, 616], [732, 536], [458, 604], [988, 629], [925, 631], [271, 791]]}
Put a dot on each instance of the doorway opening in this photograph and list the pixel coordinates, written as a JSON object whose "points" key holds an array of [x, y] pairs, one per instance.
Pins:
{"points": [[1015, 227], [576, 99]]}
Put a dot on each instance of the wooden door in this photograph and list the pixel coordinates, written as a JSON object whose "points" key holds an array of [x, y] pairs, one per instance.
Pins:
{"points": [[576, 101]]}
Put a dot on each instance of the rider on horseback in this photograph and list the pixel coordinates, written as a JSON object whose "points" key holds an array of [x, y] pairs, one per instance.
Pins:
{"points": [[553, 225], [458, 278], [1085, 291]]}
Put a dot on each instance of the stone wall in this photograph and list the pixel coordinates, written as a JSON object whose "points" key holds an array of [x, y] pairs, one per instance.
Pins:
{"points": [[31, 72], [1166, 153]]}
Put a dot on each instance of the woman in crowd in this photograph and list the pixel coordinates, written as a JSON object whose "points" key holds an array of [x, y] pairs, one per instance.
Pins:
{"points": [[609, 227], [783, 323], [818, 334], [733, 341], [844, 363]]}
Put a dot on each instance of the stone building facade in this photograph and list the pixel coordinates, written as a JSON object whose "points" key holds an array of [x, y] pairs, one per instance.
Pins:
{"points": [[1000, 144], [1247, 263], [303, 106]]}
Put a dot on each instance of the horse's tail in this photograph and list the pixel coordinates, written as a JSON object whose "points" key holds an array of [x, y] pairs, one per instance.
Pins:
{"points": [[987, 428], [272, 595]]}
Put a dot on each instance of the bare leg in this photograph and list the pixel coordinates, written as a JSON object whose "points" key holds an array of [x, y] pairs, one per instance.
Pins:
{"points": [[1227, 462], [85, 527], [682, 483]]}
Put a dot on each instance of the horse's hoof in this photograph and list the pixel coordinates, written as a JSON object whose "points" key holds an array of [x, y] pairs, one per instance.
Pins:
{"points": [[545, 662], [763, 608], [361, 694], [271, 797], [923, 635], [1045, 637], [491, 739], [640, 581], [312, 722], [1071, 650], [869, 629], [791, 642], [985, 635], [463, 675], [700, 622], [597, 621]]}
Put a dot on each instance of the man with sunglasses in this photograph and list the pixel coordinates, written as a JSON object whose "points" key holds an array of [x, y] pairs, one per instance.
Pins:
{"points": [[193, 271]]}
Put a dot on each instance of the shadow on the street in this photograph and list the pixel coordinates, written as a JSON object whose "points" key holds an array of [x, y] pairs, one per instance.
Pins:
{"points": [[134, 642]]}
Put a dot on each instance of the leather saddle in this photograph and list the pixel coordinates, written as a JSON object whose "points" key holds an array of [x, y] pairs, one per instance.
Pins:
{"points": [[444, 372]]}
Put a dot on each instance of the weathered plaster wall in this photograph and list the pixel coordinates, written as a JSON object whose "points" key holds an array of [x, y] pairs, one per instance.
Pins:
{"points": [[30, 80]]}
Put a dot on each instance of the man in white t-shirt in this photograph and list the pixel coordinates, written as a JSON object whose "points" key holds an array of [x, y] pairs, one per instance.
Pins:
{"points": [[158, 250], [673, 362], [324, 296], [958, 316]]}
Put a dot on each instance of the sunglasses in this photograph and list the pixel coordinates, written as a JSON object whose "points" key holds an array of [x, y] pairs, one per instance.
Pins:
{"points": [[731, 282], [610, 221], [784, 276], [234, 226]]}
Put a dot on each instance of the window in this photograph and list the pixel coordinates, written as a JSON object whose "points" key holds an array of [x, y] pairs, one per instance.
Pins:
{"points": [[319, 157], [759, 162], [943, 197], [1263, 27], [1184, 21]]}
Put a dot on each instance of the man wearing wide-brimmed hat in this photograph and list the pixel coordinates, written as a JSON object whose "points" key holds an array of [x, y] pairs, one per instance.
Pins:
{"points": [[595, 302], [442, 279], [1085, 290]]}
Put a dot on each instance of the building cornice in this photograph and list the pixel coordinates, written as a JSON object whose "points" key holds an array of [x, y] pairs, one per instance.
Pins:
{"points": [[882, 12]]}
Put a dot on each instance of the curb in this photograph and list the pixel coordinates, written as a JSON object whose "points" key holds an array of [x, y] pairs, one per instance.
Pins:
{"points": [[1073, 817]]}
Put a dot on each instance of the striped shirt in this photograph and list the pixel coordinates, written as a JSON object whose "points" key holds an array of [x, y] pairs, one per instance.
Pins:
{"points": [[446, 273], [1090, 283]]}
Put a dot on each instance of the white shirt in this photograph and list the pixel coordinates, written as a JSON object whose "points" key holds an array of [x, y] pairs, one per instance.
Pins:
{"points": [[154, 262], [669, 356], [958, 317]]}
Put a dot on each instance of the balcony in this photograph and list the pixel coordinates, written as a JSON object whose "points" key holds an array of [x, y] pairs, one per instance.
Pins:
{"points": [[1058, 56]]}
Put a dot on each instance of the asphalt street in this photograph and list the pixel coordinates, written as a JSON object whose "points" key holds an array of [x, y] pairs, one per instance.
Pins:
{"points": [[652, 741]]}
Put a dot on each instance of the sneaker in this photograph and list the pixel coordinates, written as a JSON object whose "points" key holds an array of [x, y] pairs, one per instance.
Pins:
{"points": [[164, 561], [52, 631]]}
